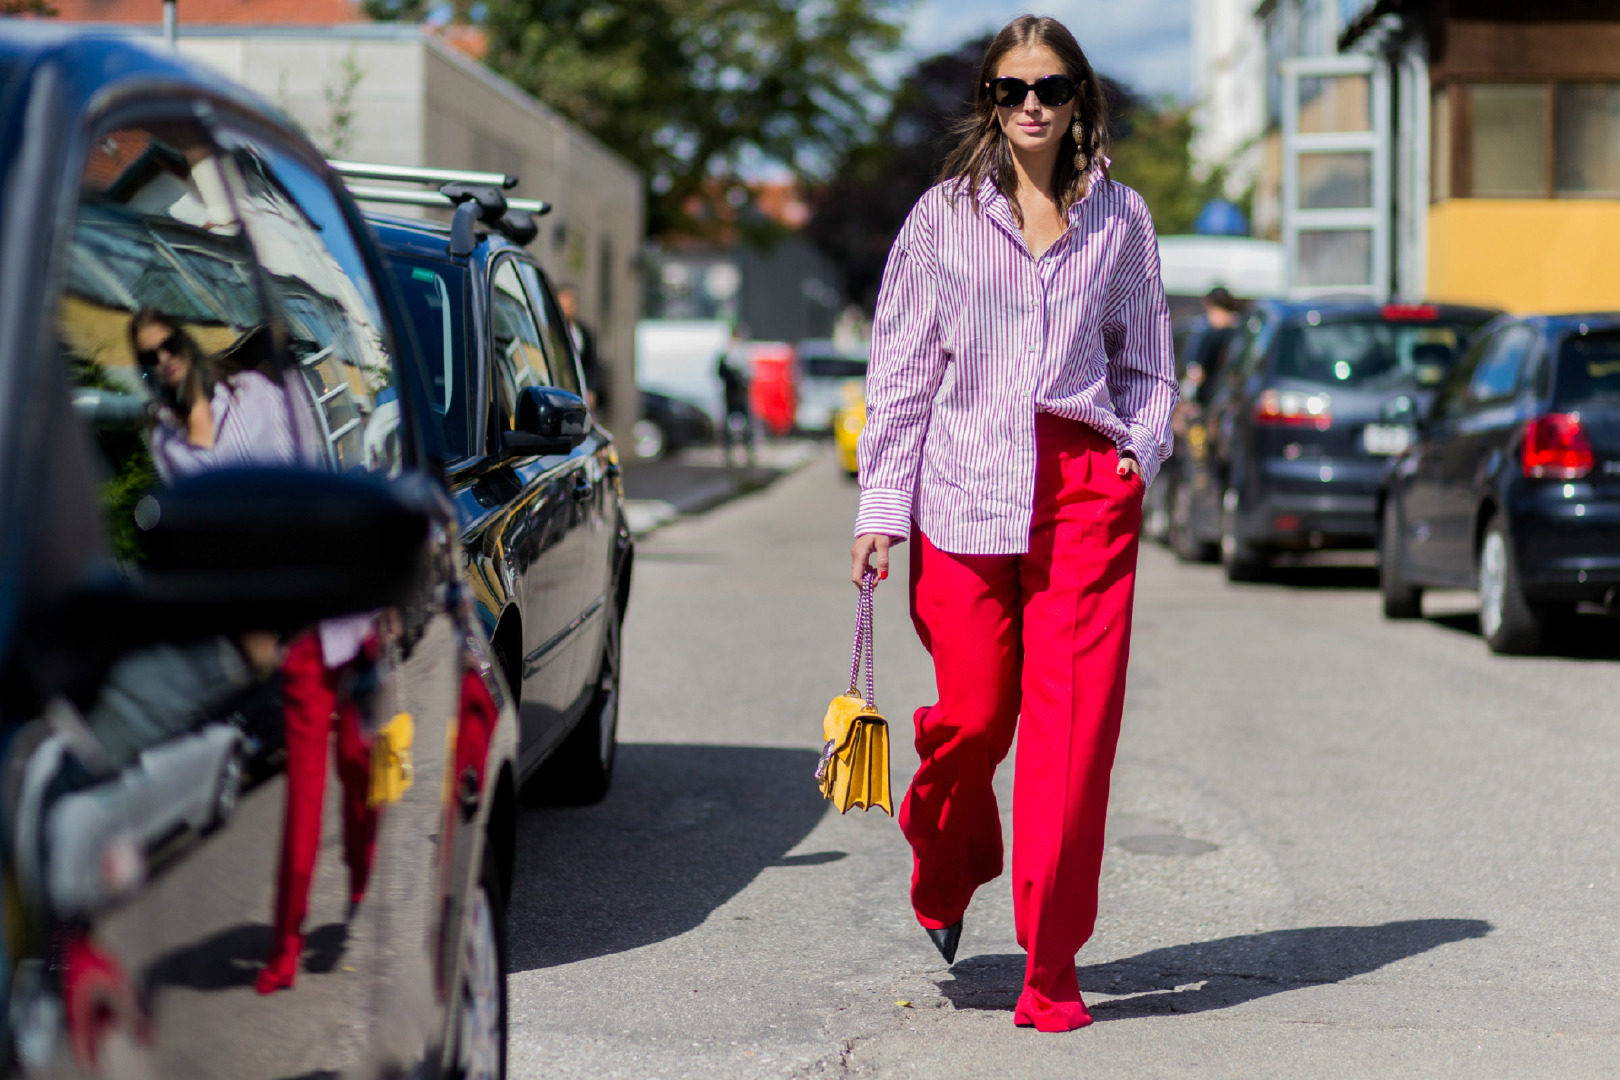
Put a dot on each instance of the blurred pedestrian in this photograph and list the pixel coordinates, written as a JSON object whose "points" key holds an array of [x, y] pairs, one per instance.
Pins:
{"points": [[1221, 308], [1018, 402], [738, 425], [1221, 312], [596, 387]]}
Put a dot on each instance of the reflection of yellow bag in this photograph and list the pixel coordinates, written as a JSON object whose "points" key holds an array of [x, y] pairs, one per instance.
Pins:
{"points": [[854, 766], [391, 760]]}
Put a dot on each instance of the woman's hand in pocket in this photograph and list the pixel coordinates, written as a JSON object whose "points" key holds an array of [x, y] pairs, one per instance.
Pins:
{"points": [[871, 552], [1129, 466]]}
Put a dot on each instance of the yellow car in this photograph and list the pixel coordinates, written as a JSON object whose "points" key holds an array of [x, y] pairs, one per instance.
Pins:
{"points": [[847, 423]]}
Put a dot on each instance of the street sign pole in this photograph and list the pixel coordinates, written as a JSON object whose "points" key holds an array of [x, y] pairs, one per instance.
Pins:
{"points": [[171, 25]]}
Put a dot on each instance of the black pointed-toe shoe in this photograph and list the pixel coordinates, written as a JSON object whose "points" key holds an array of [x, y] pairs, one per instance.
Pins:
{"points": [[946, 940]]}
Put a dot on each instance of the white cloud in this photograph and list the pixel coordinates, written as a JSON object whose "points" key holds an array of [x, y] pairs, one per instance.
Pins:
{"points": [[1141, 42]]}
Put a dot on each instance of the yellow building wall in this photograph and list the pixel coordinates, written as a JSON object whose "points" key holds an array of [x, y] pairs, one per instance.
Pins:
{"points": [[1526, 255]]}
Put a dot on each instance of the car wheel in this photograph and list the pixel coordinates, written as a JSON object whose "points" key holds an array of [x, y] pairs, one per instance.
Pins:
{"points": [[227, 788], [1402, 600], [1240, 560], [581, 771], [480, 1030], [1183, 542], [648, 439], [1508, 621]]}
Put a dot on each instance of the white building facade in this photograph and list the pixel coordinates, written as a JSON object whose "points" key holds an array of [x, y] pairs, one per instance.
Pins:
{"points": [[397, 94]]}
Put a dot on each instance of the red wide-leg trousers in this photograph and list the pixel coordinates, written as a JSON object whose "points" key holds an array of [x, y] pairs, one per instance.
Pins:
{"points": [[311, 702], [1038, 642]]}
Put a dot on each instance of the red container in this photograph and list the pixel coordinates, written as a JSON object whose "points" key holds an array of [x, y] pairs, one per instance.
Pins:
{"points": [[772, 390]]}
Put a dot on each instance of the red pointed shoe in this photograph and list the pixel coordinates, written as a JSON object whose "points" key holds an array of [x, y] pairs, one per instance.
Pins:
{"points": [[282, 970]]}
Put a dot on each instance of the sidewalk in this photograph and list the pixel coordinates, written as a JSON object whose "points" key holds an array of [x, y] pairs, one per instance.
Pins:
{"points": [[698, 479]]}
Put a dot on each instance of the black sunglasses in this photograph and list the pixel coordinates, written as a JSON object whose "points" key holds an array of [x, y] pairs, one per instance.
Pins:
{"points": [[1050, 90], [174, 345]]}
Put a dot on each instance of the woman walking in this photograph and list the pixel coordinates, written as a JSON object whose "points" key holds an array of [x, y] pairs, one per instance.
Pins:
{"points": [[1017, 406]]}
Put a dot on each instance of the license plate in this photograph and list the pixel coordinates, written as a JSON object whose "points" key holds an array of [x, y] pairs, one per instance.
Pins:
{"points": [[1386, 439]]}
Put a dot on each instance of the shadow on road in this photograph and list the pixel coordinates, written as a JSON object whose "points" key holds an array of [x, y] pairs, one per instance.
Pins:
{"points": [[1584, 637], [1321, 577], [684, 829], [1218, 974], [233, 956]]}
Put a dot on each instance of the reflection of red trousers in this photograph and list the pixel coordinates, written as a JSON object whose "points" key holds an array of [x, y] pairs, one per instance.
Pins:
{"points": [[311, 699], [1038, 641]]}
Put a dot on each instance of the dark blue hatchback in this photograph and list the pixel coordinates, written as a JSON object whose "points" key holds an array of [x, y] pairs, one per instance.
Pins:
{"points": [[1313, 401], [1513, 486]]}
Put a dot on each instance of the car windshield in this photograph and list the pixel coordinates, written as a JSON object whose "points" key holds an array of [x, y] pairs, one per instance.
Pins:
{"points": [[835, 367], [1588, 370], [433, 291], [1371, 352]]}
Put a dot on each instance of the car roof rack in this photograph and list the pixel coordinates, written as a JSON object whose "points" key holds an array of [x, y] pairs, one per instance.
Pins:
{"points": [[478, 198]]}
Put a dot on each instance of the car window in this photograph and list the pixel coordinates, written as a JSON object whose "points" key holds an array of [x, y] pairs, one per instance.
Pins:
{"points": [[561, 350], [1452, 395], [342, 386], [835, 367], [1247, 351], [161, 321], [175, 372], [519, 359], [434, 292], [1496, 377], [1588, 370], [1368, 352]]}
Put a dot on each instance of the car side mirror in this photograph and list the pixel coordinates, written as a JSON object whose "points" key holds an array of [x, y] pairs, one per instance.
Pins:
{"points": [[265, 549], [547, 421]]}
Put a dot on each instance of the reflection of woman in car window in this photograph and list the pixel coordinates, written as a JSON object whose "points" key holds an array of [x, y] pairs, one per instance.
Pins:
{"points": [[206, 420]]}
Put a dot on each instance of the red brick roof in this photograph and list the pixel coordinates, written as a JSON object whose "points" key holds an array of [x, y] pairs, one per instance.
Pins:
{"points": [[213, 12]]}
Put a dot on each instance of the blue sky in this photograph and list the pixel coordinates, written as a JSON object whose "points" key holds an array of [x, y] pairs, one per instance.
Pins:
{"points": [[1141, 42]]}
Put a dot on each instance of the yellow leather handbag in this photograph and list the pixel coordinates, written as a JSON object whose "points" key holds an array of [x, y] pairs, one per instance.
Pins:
{"points": [[854, 765], [391, 768]]}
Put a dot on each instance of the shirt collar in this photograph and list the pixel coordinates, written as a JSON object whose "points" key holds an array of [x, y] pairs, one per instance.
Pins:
{"points": [[999, 210]]}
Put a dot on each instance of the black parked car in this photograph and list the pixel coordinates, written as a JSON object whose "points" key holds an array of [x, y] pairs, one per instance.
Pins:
{"points": [[534, 478], [1312, 401], [669, 425], [1513, 486], [218, 480]]}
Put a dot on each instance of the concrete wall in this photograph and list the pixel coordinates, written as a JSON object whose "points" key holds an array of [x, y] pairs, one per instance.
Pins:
{"points": [[419, 102], [1526, 255]]}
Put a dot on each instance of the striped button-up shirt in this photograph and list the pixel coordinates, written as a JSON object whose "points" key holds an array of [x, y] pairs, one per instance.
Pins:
{"points": [[973, 336]]}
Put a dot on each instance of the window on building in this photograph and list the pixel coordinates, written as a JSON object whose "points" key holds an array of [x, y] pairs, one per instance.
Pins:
{"points": [[1527, 141], [1508, 147], [1587, 146]]}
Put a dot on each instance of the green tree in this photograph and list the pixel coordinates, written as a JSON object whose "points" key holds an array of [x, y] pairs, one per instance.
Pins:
{"points": [[691, 91], [1153, 156]]}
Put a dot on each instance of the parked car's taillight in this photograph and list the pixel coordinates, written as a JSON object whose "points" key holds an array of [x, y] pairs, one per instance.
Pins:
{"points": [[1291, 408], [1555, 448]]}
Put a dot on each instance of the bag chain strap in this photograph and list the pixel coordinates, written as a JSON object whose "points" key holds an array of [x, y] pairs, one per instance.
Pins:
{"points": [[864, 642]]}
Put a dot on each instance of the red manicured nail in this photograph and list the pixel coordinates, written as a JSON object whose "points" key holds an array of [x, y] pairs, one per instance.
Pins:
{"points": [[883, 575]]}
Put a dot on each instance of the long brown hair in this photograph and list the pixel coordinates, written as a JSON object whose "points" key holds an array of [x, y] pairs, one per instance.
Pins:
{"points": [[981, 149], [201, 375]]}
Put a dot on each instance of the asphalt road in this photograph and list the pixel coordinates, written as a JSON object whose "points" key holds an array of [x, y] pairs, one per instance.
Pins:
{"points": [[1339, 846]]}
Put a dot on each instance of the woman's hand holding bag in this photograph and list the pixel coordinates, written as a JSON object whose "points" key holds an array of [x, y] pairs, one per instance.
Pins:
{"points": [[854, 765]]}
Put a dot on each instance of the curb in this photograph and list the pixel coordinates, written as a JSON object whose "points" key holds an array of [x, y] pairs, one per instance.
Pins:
{"points": [[645, 516]]}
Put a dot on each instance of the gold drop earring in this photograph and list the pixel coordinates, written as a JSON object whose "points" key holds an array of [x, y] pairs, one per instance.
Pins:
{"points": [[1079, 154]]}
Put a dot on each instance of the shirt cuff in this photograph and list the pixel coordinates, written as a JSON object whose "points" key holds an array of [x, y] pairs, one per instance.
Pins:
{"points": [[884, 510], [1143, 446]]}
